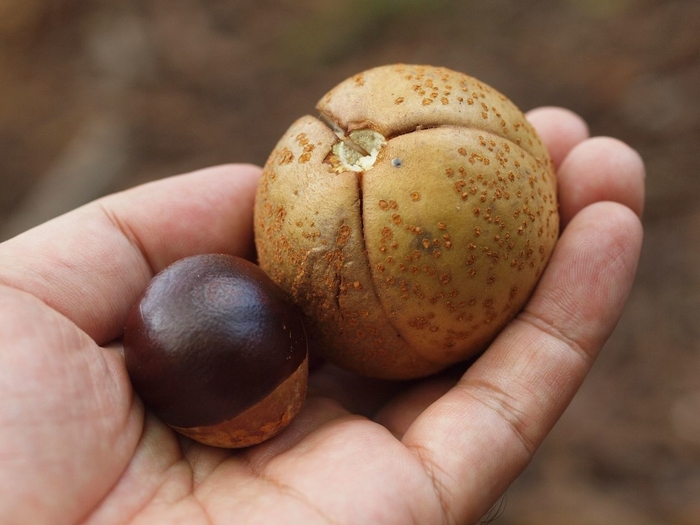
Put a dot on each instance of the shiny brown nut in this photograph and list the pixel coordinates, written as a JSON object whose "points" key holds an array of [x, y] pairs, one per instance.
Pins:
{"points": [[410, 221], [217, 351]]}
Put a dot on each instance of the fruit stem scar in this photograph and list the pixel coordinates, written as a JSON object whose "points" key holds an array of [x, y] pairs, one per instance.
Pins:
{"points": [[333, 125], [359, 151], [355, 151]]}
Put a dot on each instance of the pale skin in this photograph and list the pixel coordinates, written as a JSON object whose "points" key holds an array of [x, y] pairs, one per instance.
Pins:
{"points": [[77, 446]]}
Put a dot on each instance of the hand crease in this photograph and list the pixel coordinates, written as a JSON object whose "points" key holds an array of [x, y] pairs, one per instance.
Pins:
{"points": [[549, 328], [128, 233], [430, 468], [503, 405], [291, 492]]}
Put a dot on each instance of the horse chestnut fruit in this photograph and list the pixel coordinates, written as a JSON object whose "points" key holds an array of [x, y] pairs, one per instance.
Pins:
{"points": [[410, 221]]}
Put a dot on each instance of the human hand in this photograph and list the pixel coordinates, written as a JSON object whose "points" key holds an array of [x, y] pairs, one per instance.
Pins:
{"points": [[76, 445]]}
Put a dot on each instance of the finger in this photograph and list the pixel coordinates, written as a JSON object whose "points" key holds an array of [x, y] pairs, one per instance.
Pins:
{"points": [[590, 170], [92, 263], [358, 394], [317, 412], [333, 395], [560, 129], [600, 169], [67, 412], [477, 438], [401, 411]]}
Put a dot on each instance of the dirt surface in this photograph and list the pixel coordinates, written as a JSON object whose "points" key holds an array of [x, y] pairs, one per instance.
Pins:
{"points": [[101, 95]]}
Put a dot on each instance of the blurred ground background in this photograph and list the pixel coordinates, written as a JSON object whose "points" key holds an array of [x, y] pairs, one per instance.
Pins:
{"points": [[99, 95]]}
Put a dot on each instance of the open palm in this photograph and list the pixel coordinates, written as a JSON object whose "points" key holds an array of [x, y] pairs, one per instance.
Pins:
{"points": [[76, 445]]}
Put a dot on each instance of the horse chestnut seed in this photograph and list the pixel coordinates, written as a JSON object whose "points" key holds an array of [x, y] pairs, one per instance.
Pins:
{"points": [[217, 351]]}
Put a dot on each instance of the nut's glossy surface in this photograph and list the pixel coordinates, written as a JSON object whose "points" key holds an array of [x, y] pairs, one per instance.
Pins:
{"points": [[410, 221], [212, 339]]}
